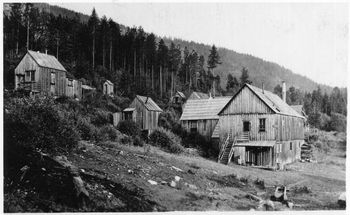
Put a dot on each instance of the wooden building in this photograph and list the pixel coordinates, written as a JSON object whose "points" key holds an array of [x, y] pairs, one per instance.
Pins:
{"points": [[108, 88], [178, 98], [301, 111], [198, 95], [201, 115], [144, 111], [73, 87], [40, 73], [258, 128]]}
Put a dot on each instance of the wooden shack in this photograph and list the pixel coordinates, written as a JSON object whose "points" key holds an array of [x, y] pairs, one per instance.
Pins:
{"points": [[198, 95], [144, 111], [178, 98], [108, 88], [258, 128], [40, 73], [73, 87], [300, 109], [201, 115]]}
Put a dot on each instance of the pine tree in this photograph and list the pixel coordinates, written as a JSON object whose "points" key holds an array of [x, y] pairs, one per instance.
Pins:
{"points": [[245, 76], [93, 24], [213, 61]]}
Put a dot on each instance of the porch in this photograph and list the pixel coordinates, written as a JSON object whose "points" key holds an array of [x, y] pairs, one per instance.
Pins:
{"points": [[255, 153]]}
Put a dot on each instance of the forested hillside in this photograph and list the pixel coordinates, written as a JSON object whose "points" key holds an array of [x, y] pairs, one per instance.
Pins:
{"points": [[94, 48]]}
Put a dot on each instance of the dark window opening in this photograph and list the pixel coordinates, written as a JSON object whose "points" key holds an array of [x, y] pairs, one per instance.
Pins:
{"points": [[246, 126], [193, 126], [30, 75], [204, 125], [262, 124], [128, 115], [291, 146]]}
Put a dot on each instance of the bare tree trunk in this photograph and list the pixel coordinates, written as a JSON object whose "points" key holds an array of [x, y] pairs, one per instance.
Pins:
{"points": [[27, 33], [17, 42], [110, 55], [160, 81], [213, 84], [152, 77], [57, 47], [134, 66], [93, 49], [172, 83]]}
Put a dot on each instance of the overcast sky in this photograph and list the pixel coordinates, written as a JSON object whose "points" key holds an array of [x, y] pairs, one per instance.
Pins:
{"points": [[309, 38]]}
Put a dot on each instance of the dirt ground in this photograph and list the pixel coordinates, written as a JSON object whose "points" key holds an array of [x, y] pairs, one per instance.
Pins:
{"points": [[204, 184], [128, 178]]}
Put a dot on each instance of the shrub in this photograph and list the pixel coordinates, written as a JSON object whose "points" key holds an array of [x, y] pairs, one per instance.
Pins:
{"points": [[39, 124], [129, 128], [138, 141], [167, 140], [87, 130], [337, 122], [126, 140], [260, 183], [101, 117], [110, 132]]}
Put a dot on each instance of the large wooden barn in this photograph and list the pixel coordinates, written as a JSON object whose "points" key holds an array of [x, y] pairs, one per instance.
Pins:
{"points": [[142, 110], [258, 128], [40, 73], [201, 115]]}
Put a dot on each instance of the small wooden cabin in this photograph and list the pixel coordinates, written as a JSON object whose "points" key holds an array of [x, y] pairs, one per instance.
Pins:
{"points": [[40, 73], [258, 128], [198, 95], [301, 111], [144, 111], [108, 88], [201, 115], [179, 98]]}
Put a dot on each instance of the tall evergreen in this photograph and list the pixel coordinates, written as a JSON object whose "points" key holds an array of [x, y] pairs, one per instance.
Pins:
{"points": [[213, 61]]}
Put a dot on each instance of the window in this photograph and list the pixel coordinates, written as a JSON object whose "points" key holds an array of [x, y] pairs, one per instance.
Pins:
{"points": [[204, 124], [70, 83], [30, 76], [262, 124], [278, 148], [193, 126], [53, 78], [128, 115], [291, 146]]}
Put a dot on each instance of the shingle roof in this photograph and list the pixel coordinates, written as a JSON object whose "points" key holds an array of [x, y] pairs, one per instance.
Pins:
{"points": [[272, 100], [46, 60], [198, 95], [196, 109], [149, 103]]}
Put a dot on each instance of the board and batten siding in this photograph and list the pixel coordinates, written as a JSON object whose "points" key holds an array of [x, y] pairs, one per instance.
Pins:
{"points": [[42, 82], [148, 120], [234, 124], [205, 127], [246, 102], [289, 128]]}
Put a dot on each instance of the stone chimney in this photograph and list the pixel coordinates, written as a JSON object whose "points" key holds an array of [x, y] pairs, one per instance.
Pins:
{"points": [[284, 91]]}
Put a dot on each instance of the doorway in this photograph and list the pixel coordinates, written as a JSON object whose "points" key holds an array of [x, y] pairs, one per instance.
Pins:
{"points": [[246, 126]]}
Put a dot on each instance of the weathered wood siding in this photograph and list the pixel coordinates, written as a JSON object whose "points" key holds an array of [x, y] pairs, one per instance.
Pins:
{"points": [[285, 154], [204, 127], [117, 117], [42, 82], [246, 102], [108, 89], [234, 124], [289, 128], [75, 90], [147, 120]]}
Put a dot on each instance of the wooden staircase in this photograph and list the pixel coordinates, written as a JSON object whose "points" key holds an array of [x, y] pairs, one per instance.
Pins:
{"points": [[226, 150]]}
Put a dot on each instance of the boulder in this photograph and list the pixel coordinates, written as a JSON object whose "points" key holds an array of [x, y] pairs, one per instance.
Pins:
{"points": [[172, 184], [177, 178], [342, 200], [152, 182]]}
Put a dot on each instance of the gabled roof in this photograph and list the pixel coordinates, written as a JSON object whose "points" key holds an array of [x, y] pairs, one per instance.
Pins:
{"points": [[181, 94], [46, 60], [149, 103], [299, 109], [198, 95], [108, 82], [196, 109], [273, 101]]}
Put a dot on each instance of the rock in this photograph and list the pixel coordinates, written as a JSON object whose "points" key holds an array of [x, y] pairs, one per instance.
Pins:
{"points": [[177, 178], [192, 186], [290, 205], [172, 184], [79, 186], [130, 171], [266, 205], [191, 172], [121, 152], [342, 200], [163, 182], [152, 182], [177, 169]]}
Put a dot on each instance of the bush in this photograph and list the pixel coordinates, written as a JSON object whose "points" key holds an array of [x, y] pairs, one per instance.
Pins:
{"points": [[110, 132], [39, 124], [138, 141], [126, 140], [337, 122], [129, 128], [167, 140], [87, 130], [101, 117]]}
